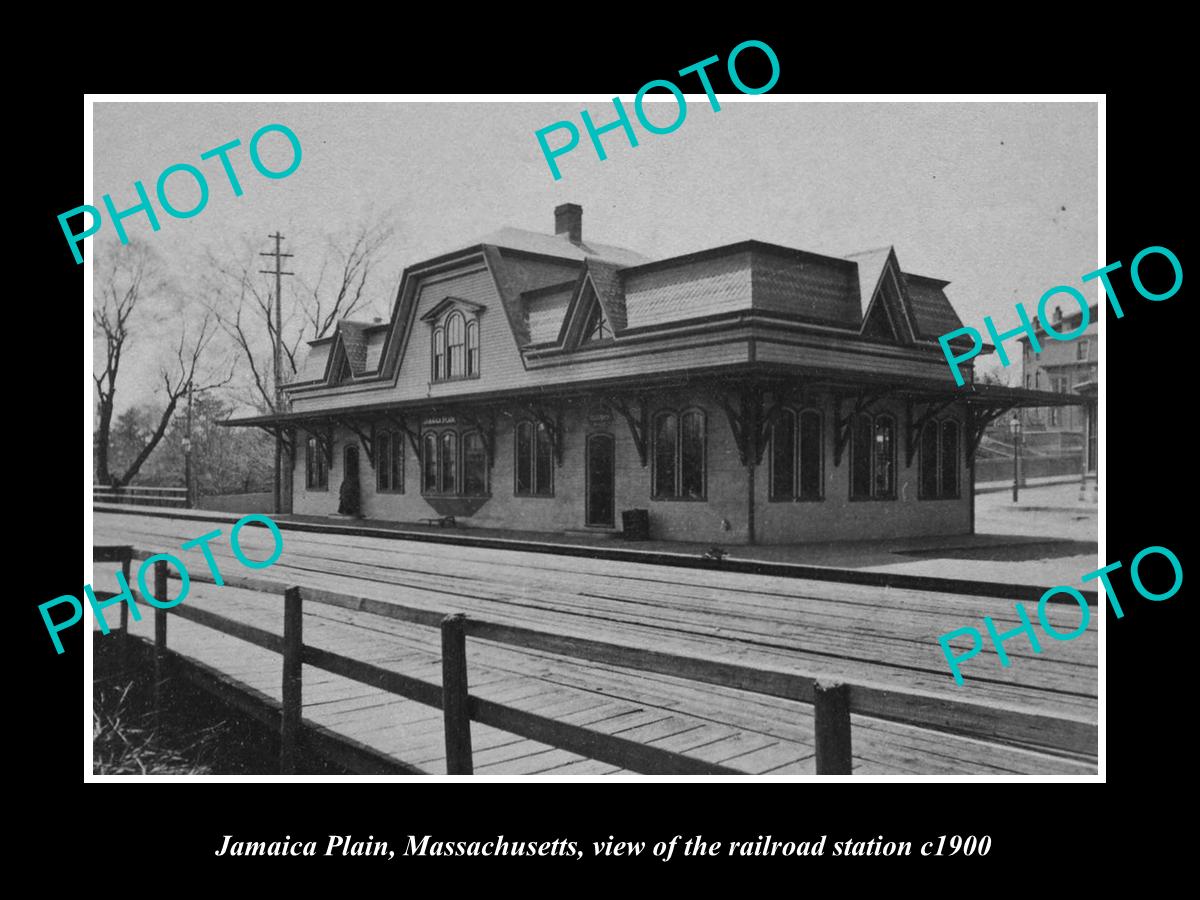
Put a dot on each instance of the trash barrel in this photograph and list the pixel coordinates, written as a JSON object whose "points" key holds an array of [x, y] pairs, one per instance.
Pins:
{"points": [[635, 524]]}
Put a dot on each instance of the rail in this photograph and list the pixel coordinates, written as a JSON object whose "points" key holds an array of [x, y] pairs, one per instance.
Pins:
{"points": [[833, 701], [136, 495]]}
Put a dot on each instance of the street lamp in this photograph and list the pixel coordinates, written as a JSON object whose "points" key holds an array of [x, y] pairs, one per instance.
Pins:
{"points": [[1014, 426], [187, 469]]}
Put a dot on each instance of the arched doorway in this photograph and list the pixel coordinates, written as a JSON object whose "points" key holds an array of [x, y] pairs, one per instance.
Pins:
{"points": [[350, 497]]}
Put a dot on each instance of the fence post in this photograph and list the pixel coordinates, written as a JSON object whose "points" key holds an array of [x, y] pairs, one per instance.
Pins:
{"points": [[160, 632], [123, 647], [289, 726], [831, 704], [455, 700]]}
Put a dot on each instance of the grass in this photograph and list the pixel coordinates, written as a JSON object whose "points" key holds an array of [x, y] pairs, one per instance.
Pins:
{"points": [[127, 740], [195, 733]]}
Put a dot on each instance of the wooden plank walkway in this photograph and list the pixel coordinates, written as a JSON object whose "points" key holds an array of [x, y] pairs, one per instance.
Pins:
{"points": [[882, 636]]}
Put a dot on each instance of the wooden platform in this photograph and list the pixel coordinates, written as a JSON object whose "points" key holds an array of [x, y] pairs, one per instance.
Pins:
{"points": [[883, 636]]}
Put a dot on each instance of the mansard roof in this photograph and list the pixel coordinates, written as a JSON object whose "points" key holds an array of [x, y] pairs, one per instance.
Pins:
{"points": [[548, 285]]}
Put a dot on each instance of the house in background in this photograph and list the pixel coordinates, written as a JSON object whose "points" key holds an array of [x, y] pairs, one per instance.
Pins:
{"points": [[1066, 432], [747, 393]]}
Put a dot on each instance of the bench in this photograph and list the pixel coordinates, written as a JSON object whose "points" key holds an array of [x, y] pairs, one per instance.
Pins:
{"points": [[441, 521]]}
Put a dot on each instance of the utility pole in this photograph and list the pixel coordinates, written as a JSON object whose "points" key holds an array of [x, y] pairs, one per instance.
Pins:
{"points": [[277, 347], [1015, 427]]}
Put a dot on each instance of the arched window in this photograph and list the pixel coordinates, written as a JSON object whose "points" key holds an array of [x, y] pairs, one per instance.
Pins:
{"points": [[523, 459], [456, 342], [383, 469], [783, 457], [542, 470], [533, 472], [940, 448], [949, 458], [455, 346], [873, 458], [389, 461], [884, 478], [691, 455], [439, 354], [860, 457], [811, 455], [316, 470], [930, 480], [679, 456], [397, 461], [474, 465], [448, 463], [666, 449], [796, 456], [429, 466], [472, 348]]}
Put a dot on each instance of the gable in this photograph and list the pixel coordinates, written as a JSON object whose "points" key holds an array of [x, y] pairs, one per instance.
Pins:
{"points": [[352, 341], [879, 324], [341, 370], [887, 314], [467, 307], [584, 318], [871, 264], [606, 281], [597, 308]]}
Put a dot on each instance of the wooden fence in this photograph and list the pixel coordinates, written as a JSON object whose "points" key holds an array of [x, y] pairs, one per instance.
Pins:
{"points": [[138, 495], [833, 701]]}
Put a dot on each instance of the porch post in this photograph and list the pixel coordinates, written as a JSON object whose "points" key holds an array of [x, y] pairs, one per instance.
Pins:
{"points": [[750, 502]]}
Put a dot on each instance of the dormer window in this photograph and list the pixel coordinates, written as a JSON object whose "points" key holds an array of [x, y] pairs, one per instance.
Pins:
{"points": [[454, 352], [472, 347], [456, 344]]}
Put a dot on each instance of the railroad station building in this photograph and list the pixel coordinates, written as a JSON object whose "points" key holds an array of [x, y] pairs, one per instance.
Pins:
{"points": [[750, 393]]}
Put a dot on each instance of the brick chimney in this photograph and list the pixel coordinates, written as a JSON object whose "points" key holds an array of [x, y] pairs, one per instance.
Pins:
{"points": [[568, 220]]}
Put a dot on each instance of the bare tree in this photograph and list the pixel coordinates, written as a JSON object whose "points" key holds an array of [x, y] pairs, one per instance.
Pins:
{"points": [[242, 301], [123, 277], [126, 278], [178, 379]]}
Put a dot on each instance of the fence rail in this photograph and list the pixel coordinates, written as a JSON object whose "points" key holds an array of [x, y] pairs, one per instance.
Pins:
{"points": [[833, 701], [140, 495]]}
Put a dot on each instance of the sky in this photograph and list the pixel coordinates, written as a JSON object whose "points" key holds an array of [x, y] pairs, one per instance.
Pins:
{"points": [[1000, 199]]}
